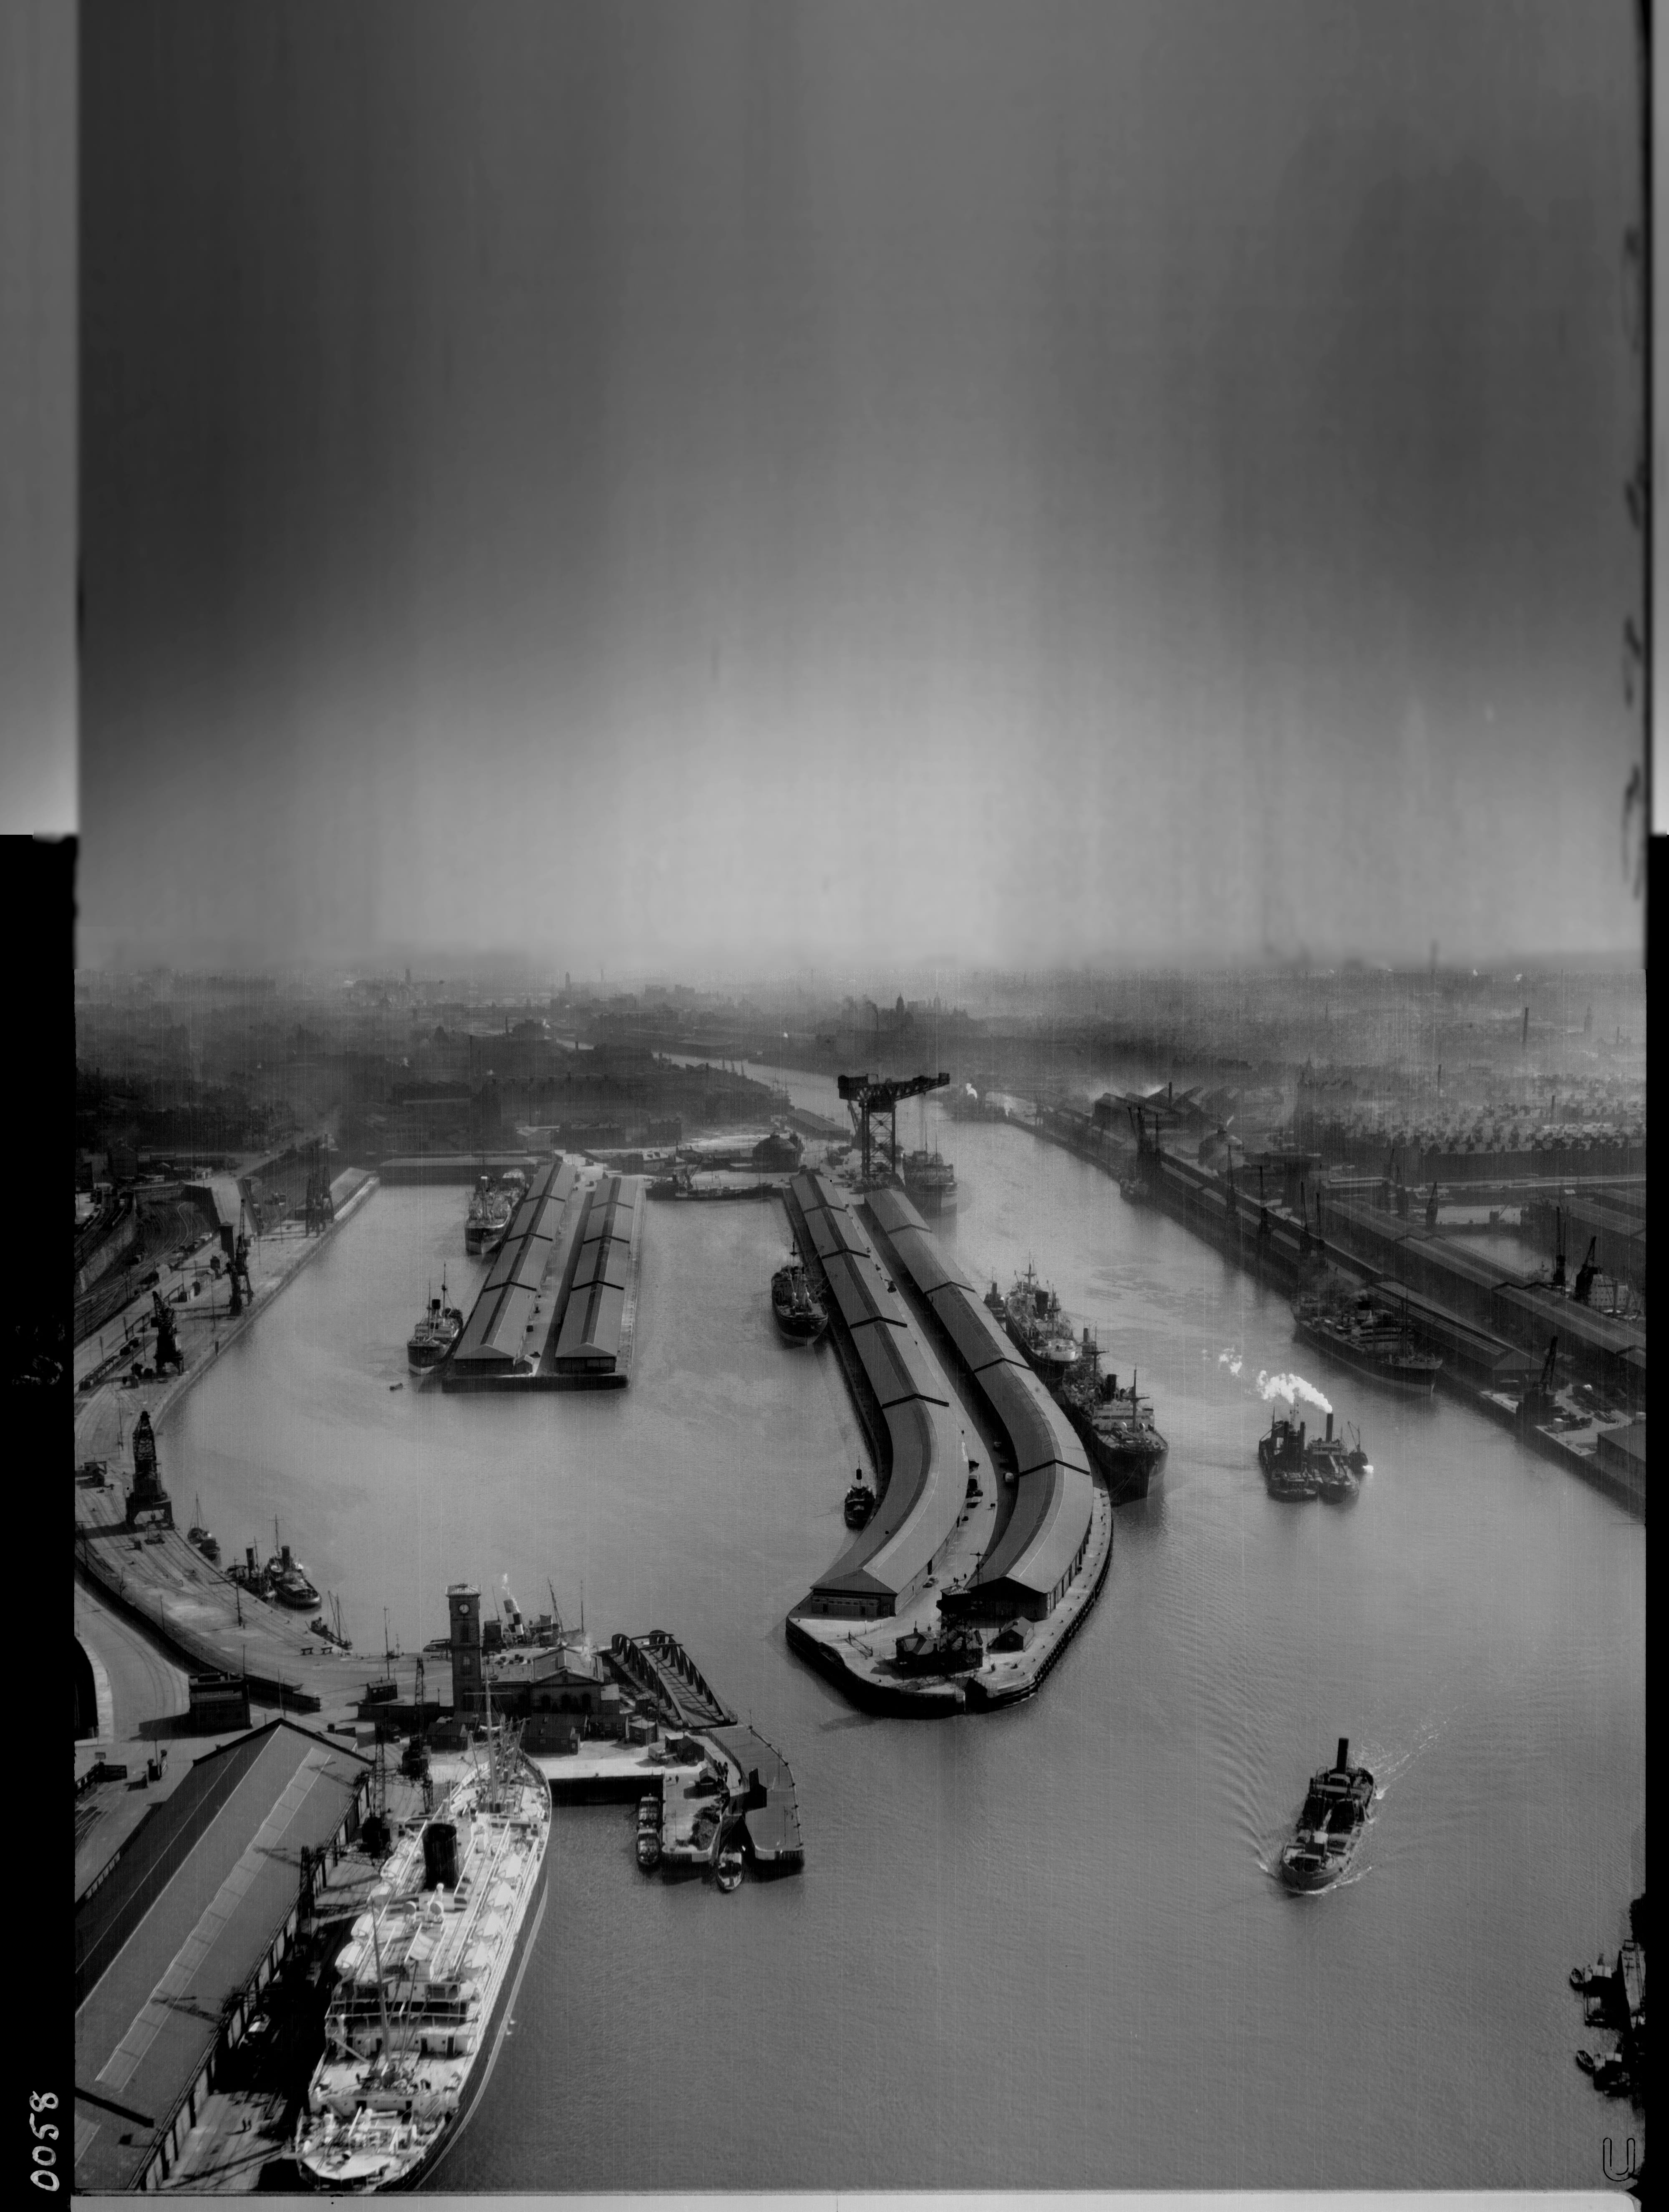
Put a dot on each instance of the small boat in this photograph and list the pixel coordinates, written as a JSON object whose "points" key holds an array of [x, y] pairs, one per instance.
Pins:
{"points": [[442, 1326], [800, 1315], [1337, 1471], [1331, 1825], [1287, 1471], [1586, 2060], [199, 1537], [729, 1868], [860, 1505]]}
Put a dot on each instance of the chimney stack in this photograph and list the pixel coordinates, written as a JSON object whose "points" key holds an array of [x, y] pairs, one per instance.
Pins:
{"points": [[1343, 1753]]}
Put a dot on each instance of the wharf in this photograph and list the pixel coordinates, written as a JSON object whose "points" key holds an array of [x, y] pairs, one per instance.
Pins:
{"points": [[558, 1311], [959, 1514], [1491, 1329]]}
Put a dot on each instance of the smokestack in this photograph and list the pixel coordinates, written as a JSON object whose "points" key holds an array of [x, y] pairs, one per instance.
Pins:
{"points": [[1330, 1428], [249, 1554], [1344, 1752], [1302, 1425]]}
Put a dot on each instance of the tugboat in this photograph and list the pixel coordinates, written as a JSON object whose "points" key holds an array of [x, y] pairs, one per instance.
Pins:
{"points": [[435, 1333], [859, 1503], [1114, 1426], [198, 1535], [649, 1832], [287, 1579], [1037, 1327], [1331, 1825], [799, 1313], [1337, 1473], [1286, 1466]]}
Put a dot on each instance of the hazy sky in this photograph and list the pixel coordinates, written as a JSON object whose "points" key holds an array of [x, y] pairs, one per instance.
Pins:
{"points": [[996, 482]]}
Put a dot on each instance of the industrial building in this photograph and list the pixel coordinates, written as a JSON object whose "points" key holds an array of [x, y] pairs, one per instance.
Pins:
{"points": [[904, 1405], [1045, 1541], [177, 1939], [557, 1307]]}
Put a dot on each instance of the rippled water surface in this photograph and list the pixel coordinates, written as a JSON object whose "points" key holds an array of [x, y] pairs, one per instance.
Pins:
{"points": [[1041, 1947]]}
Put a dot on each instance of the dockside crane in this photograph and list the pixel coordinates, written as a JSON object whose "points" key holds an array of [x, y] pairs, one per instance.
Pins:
{"points": [[862, 1098], [1582, 1290]]}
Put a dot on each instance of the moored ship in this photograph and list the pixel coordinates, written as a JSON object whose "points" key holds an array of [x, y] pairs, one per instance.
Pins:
{"points": [[201, 1538], [287, 1578], [490, 1208], [1338, 1472], [1036, 1325], [1331, 1825], [1373, 1338], [1115, 1427], [800, 1314], [435, 1333], [426, 1979], [931, 1181]]}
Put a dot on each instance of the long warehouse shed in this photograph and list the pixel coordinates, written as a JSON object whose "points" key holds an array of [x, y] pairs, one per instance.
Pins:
{"points": [[890, 1559], [544, 1228], [1042, 1547], [593, 1317]]}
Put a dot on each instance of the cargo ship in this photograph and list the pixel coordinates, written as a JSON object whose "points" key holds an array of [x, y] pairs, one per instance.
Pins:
{"points": [[1115, 1427], [426, 1979], [1331, 1825], [1031, 1313], [490, 1209], [1374, 1339], [800, 1315], [435, 1333], [930, 1181]]}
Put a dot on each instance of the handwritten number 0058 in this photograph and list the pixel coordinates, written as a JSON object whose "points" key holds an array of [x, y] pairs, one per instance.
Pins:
{"points": [[46, 2135]]}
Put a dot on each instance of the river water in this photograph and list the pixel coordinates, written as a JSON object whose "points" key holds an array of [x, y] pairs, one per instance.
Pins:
{"points": [[1041, 1947]]}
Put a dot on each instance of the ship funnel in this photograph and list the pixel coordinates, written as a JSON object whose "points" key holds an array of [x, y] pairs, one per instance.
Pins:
{"points": [[249, 1553], [1330, 1428], [284, 1557], [1343, 1753], [1301, 1427]]}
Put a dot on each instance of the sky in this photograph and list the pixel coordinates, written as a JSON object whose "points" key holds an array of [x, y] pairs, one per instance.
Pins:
{"points": [[799, 483]]}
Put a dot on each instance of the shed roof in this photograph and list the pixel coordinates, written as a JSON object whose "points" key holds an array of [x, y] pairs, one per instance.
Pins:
{"points": [[919, 1252], [972, 1327], [184, 1923], [590, 1326], [895, 1364], [1036, 1428], [925, 1493], [860, 1290], [1050, 1520]]}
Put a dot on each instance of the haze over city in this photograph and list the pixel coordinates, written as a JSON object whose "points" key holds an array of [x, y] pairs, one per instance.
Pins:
{"points": [[977, 486]]}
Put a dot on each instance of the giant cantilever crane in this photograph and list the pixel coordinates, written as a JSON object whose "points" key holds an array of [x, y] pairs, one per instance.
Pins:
{"points": [[864, 1098]]}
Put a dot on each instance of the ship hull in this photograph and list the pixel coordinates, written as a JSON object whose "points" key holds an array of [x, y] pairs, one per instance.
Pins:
{"points": [[1416, 1377], [1130, 1471], [345, 2180], [800, 1328]]}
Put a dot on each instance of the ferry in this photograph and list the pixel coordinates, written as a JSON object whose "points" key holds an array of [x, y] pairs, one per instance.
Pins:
{"points": [[427, 1978], [435, 1333], [1331, 1825], [800, 1314]]}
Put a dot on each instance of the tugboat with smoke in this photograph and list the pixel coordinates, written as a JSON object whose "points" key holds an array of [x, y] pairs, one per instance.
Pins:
{"points": [[1297, 1466]]}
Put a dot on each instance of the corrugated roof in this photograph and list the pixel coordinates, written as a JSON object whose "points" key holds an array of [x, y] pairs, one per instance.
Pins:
{"points": [[187, 1925], [925, 1494], [608, 1261], [895, 1365], [591, 1324], [824, 1230], [919, 1253], [1036, 1428], [1050, 1520], [972, 1327], [860, 1290]]}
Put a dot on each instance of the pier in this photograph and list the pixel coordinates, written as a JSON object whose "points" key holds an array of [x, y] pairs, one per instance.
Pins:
{"points": [[558, 1309], [1022, 1546]]}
